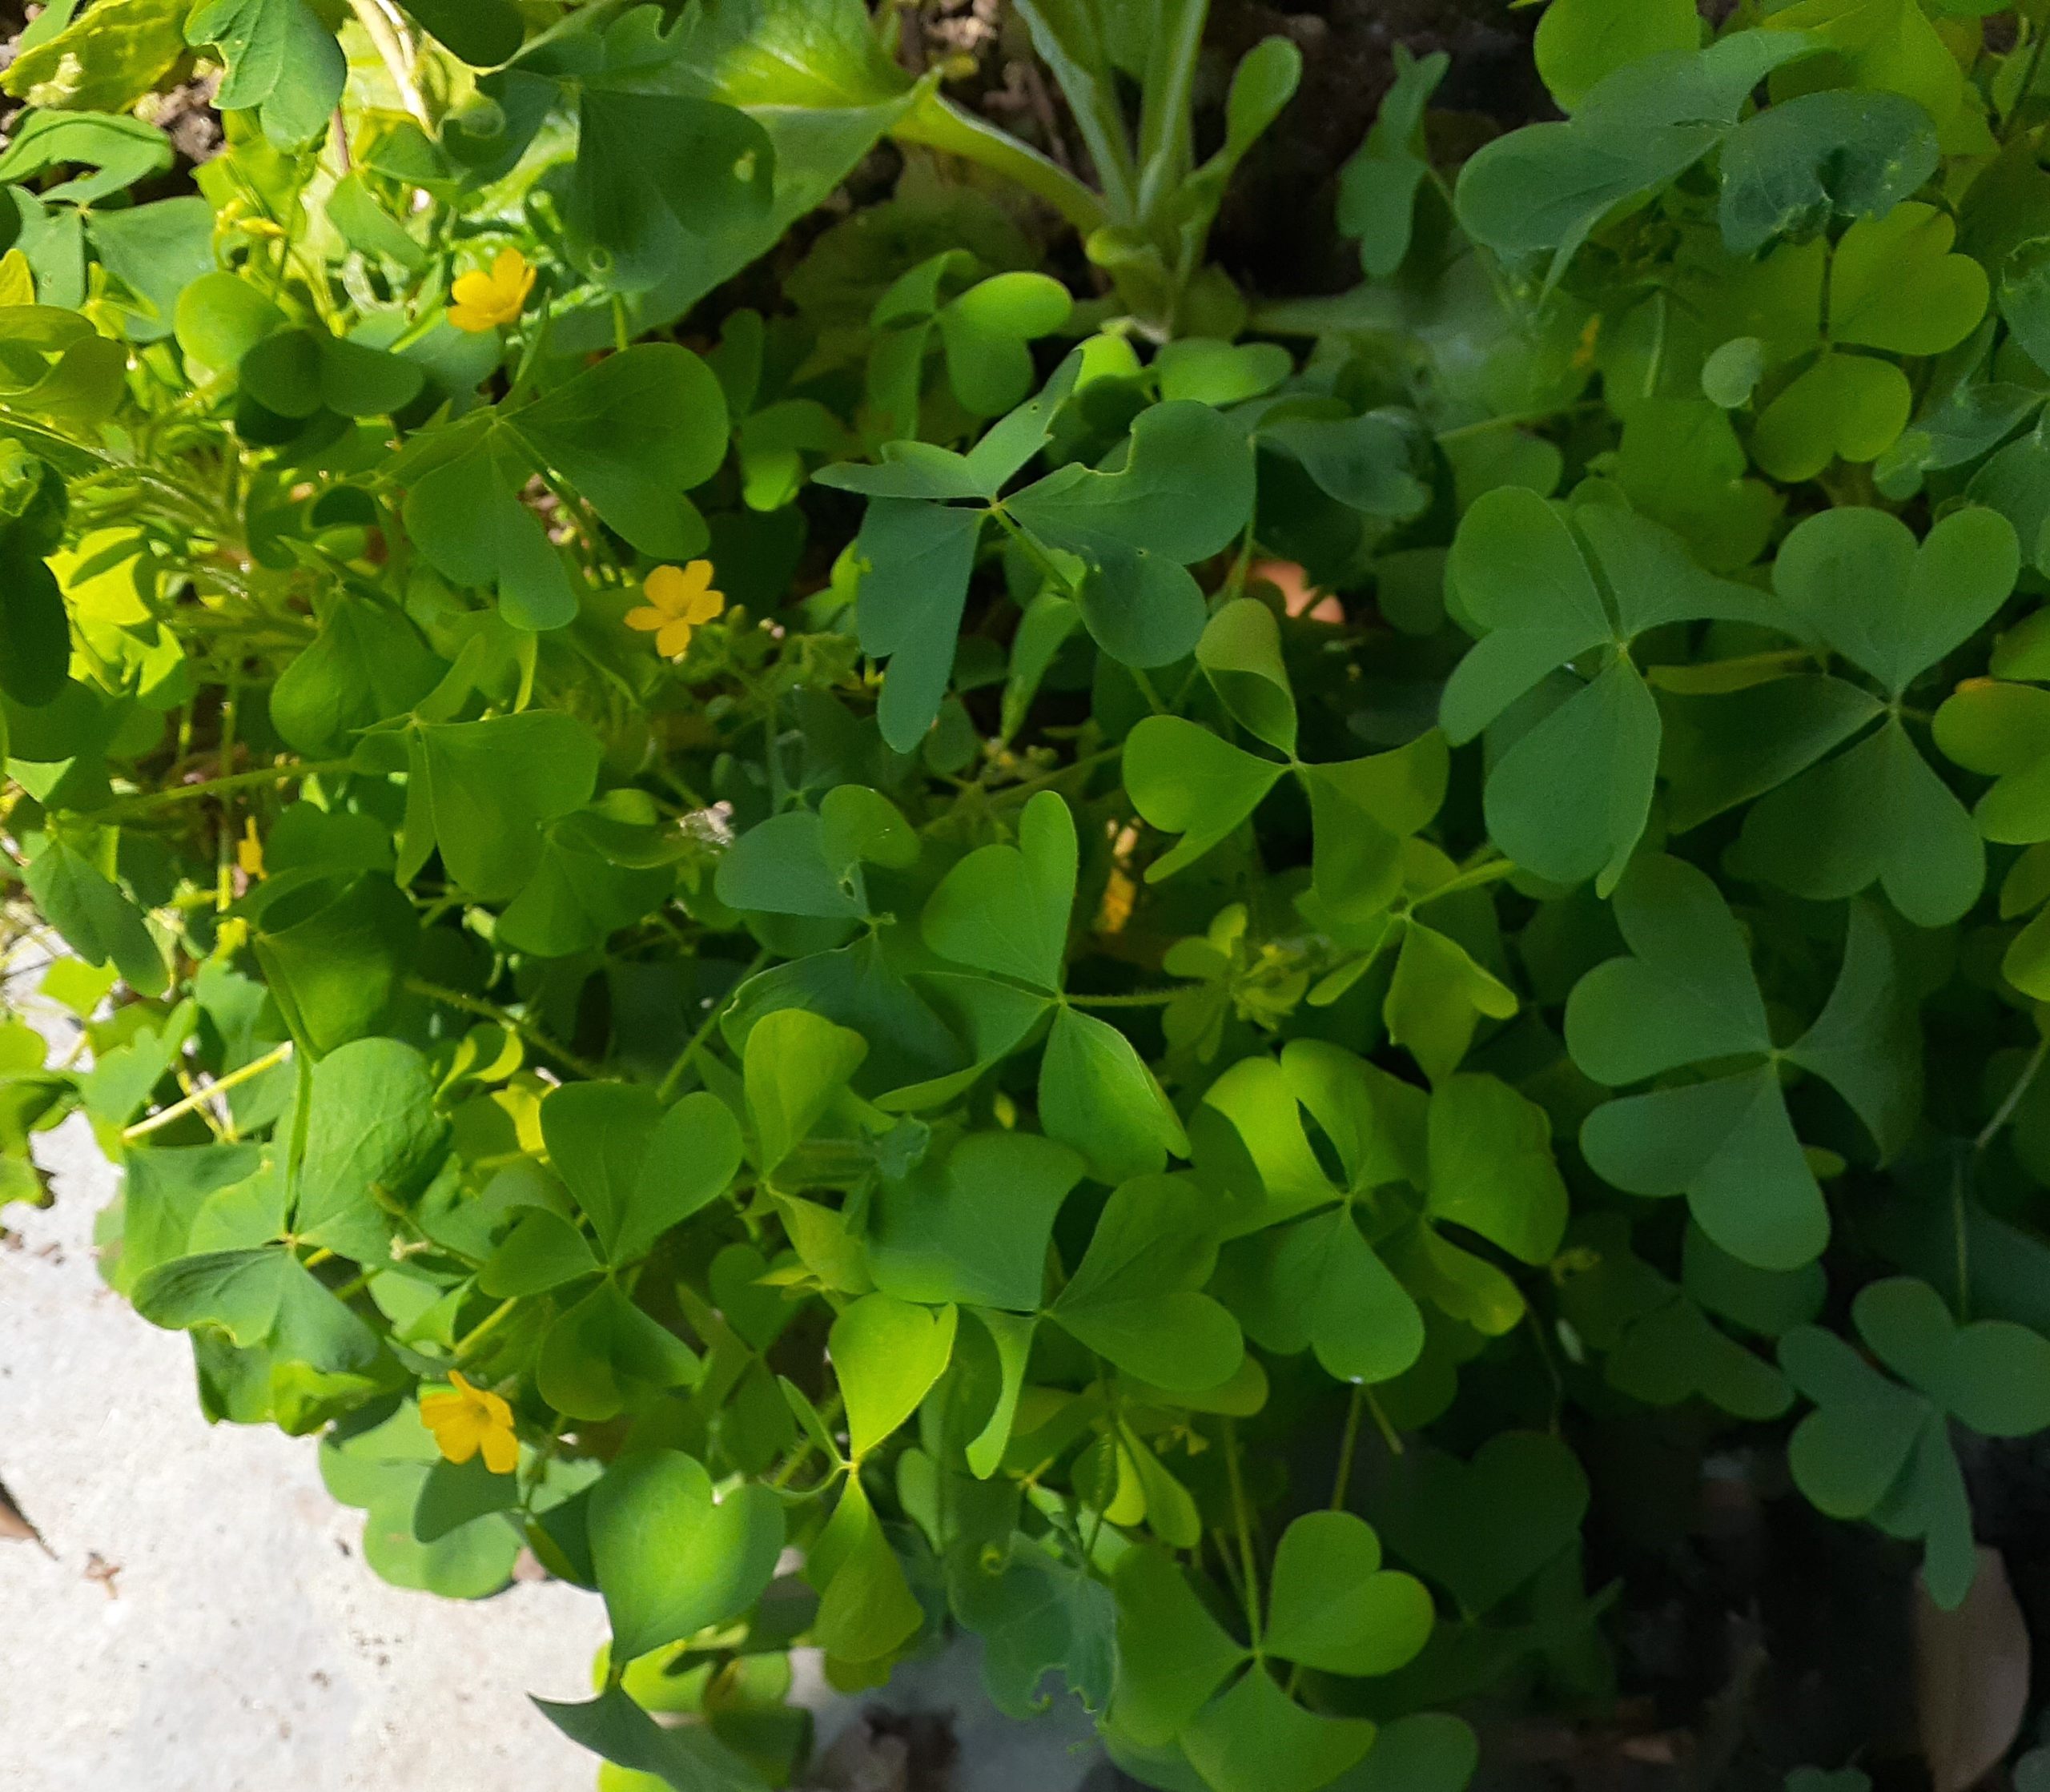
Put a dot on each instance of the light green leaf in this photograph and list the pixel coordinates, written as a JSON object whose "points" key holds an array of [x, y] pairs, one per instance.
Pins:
{"points": [[1133, 1297], [1580, 42], [1172, 1654], [1183, 779], [795, 1065], [258, 1296], [604, 1354], [1491, 1166], [1330, 1604], [669, 1561], [1896, 284], [281, 60], [1849, 406], [373, 1139], [1097, 1094], [887, 1354]]}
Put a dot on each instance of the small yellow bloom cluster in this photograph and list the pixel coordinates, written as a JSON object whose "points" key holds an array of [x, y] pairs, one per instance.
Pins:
{"points": [[249, 850], [679, 600], [483, 301], [469, 1420]]}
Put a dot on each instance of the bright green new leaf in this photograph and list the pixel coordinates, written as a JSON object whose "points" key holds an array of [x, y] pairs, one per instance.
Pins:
{"points": [[1331, 1605], [372, 1139], [1580, 42], [795, 1065], [887, 1354], [635, 1169], [669, 1561], [867, 1609], [1896, 285]]}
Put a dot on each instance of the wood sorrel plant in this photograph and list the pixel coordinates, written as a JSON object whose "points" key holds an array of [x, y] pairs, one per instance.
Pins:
{"points": [[719, 910]]}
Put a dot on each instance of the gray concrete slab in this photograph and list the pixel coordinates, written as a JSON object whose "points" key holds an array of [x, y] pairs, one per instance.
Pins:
{"points": [[205, 1622]]}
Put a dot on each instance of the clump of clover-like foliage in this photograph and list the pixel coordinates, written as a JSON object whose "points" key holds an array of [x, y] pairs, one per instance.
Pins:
{"points": [[709, 928]]}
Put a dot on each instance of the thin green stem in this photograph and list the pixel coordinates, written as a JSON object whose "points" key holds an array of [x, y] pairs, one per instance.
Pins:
{"points": [[222, 786], [1032, 786], [665, 1091], [1033, 550], [505, 1017], [485, 1327], [1389, 1435], [2027, 82], [1349, 1441], [1142, 998], [199, 1098], [2012, 1099], [1493, 872], [1242, 1516]]}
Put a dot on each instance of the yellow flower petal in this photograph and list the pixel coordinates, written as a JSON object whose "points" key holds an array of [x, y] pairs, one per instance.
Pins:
{"points": [[705, 606], [471, 1419], [668, 588], [648, 620], [483, 301], [673, 639], [501, 1451], [511, 273], [457, 1434]]}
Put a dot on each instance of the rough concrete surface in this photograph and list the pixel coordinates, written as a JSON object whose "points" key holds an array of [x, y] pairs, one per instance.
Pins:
{"points": [[205, 1622]]}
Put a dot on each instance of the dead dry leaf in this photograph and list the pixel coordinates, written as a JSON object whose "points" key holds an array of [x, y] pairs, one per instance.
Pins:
{"points": [[1971, 1677], [14, 1526]]}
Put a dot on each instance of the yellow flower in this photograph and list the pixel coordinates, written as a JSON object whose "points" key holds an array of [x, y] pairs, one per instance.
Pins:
{"points": [[679, 598], [483, 301], [470, 1418], [249, 850]]}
